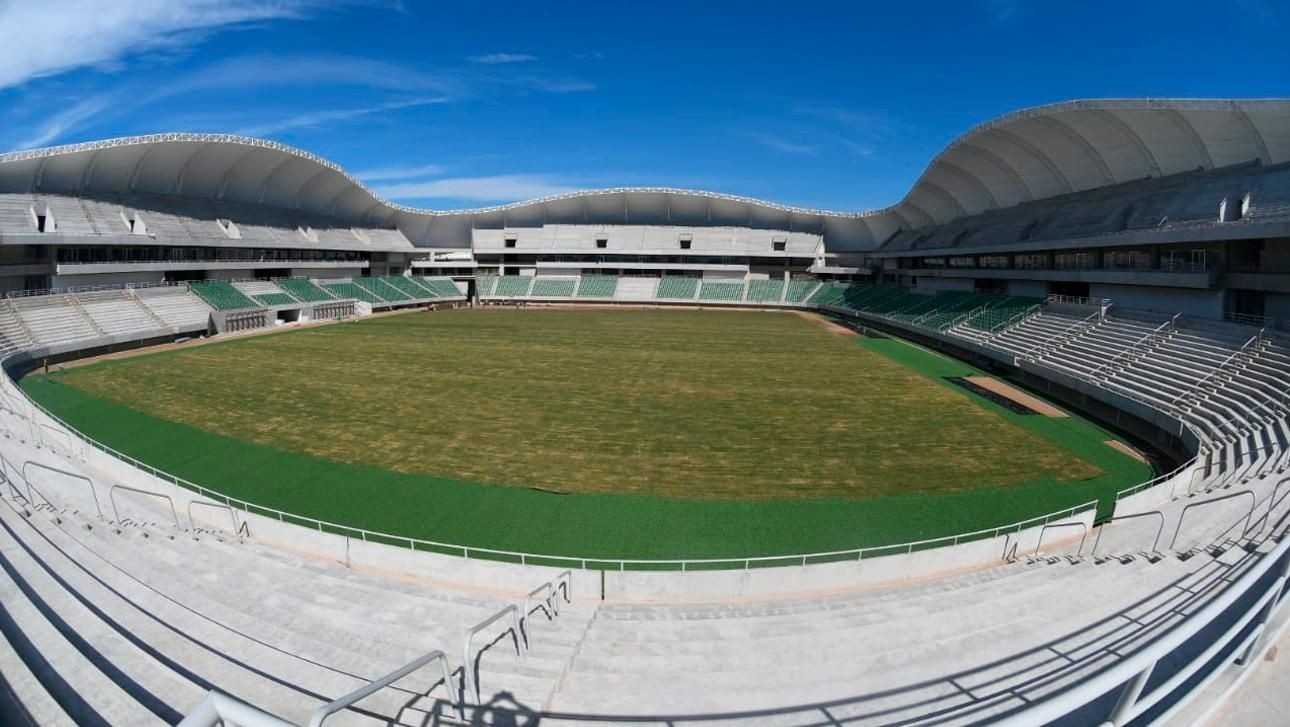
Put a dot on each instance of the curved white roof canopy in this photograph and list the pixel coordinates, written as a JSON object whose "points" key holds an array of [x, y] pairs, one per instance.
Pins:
{"points": [[1027, 155]]}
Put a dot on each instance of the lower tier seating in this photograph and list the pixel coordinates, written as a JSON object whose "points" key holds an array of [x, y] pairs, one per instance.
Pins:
{"points": [[304, 290], [221, 295]]}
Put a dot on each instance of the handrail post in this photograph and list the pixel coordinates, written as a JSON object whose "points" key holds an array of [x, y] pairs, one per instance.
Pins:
{"points": [[1123, 711]]}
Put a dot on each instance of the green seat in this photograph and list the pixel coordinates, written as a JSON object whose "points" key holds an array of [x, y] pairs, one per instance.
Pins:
{"points": [[677, 288], [597, 286], [304, 290], [721, 291], [221, 295], [765, 291]]}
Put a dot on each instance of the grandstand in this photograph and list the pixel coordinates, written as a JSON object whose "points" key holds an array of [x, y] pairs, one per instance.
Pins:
{"points": [[303, 290], [222, 295], [1120, 259]]}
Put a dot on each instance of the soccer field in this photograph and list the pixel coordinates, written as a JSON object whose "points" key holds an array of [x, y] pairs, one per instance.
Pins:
{"points": [[693, 424]]}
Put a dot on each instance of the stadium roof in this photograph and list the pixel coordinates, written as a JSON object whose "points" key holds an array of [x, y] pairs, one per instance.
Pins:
{"points": [[1026, 155]]}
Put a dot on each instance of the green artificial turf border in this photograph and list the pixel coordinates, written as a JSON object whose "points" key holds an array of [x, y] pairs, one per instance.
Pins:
{"points": [[596, 526]]}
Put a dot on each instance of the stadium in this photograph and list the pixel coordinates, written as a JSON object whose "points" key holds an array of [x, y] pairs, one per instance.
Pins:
{"points": [[1013, 450]]}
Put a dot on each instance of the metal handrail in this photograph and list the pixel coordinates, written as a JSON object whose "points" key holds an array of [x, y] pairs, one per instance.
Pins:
{"points": [[376, 685], [1040, 543], [1217, 369], [1134, 347], [217, 708], [1071, 331], [1155, 545], [1273, 502], [116, 515], [67, 473], [193, 522], [468, 663], [1132, 672], [1254, 501]]}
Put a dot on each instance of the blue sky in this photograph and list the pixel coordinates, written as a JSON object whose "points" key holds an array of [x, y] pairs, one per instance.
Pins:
{"points": [[835, 105]]}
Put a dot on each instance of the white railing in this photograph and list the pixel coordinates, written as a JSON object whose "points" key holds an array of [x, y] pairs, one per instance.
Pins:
{"points": [[376, 685], [1136, 347], [1196, 390], [1131, 675], [1062, 338], [1077, 300]]}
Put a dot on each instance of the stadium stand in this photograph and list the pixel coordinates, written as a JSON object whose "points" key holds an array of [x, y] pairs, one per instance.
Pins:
{"points": [[119, 313], [275, 299], [221, 295], [406, 286], [513, 286], [721, 291], [175, 306], [53, 320], [678, 288], [442, 287], [486, 285], [546, 287], [382, 290], [597, 286], [303, 290], [765, 291], [353, 290], [799, 291]]}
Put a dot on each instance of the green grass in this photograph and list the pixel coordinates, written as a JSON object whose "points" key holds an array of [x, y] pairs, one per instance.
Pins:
{"points": [[678, 433]]}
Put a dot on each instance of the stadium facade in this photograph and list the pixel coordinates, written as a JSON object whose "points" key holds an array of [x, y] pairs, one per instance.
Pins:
{"points": [[1129, 257], [1164, 205]]}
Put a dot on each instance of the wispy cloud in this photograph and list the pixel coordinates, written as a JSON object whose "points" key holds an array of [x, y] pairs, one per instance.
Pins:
{"points": [[860, 131], [259, 70], [501, 188], [60, 123], [391, 173], [497, 58], [781, 144], [318, 118], [54, 36]]}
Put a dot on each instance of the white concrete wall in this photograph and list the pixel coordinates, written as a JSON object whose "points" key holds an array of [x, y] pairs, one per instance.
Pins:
{"points": [[327, 273], [64, 281]]}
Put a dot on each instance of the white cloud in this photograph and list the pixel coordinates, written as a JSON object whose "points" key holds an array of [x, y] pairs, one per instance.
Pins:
{"points": [[318, 118], [54, 36], [388, 173], [66, 119], [265, 69], [495, 58], [780, 144], [501, 188]]}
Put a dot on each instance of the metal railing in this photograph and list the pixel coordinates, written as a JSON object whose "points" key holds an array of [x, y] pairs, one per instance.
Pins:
{"points": [[1078, 300], [376, 685], [467, 658], [1132, 674], [217, 708], [1137, 347], [1066, 335]]}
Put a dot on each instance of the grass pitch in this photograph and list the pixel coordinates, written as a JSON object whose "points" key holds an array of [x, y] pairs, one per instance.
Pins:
{"points": [[674, 432]]}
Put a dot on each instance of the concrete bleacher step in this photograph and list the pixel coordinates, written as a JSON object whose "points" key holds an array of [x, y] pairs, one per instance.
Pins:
{"points": [[302, 664]]}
